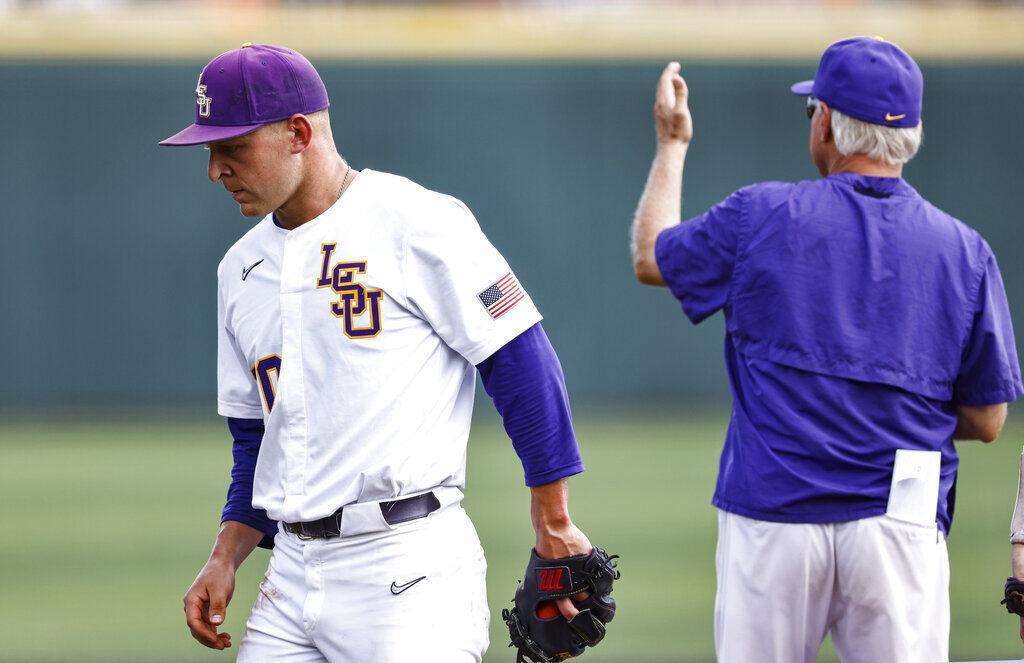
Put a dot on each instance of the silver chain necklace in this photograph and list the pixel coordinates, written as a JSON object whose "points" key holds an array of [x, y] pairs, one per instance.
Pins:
{"points": [[344, 181]]}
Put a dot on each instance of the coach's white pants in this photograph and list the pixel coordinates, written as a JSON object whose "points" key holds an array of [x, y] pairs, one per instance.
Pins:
{"points": [[332, 600], [879, 585]]}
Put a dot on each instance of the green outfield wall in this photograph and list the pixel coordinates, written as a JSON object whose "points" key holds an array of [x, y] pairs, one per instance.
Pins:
{"points": [[110, 244]]}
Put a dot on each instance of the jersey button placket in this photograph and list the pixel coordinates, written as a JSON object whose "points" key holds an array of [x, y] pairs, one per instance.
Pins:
{"points": [[292, 394]]}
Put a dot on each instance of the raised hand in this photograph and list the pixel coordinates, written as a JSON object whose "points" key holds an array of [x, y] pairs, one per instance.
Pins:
{"points": [[672, 120]]}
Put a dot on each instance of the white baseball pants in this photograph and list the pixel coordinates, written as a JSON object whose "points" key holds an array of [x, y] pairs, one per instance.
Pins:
{"points": [[879, 585], [357, 599]]}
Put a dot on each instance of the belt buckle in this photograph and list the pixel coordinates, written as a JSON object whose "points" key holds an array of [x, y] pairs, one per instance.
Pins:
{"points": [[302, 535]]}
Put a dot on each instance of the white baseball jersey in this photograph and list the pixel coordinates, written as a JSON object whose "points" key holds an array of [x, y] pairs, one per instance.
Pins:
{"points": [[355, 337]]}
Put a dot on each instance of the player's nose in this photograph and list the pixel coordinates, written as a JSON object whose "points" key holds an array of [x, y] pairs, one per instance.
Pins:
{"points": [[216, 169]]}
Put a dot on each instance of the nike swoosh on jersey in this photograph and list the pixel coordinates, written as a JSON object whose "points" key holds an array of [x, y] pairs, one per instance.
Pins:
{"points": [[398, 589], [893, 118], [245, 271]]}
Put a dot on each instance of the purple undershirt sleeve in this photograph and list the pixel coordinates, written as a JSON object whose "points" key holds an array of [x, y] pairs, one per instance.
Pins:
{"points": [[247, 435], [525, 381]]}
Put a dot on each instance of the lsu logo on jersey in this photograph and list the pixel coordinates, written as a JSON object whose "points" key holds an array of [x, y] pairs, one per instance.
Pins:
{"points": [[357, 306]]}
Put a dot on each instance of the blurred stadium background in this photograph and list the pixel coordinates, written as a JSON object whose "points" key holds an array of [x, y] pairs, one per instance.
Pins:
{"points": [[113, 463]]}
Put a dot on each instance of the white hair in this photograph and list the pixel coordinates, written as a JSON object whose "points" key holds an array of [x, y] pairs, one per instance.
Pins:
{"points": [[893, 145]]}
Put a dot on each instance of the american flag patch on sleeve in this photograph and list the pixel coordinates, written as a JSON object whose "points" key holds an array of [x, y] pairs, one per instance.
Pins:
{"points": [[501, 296]]}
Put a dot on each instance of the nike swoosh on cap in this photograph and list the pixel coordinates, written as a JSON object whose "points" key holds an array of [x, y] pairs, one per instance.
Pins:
{"points": [[893, 118]]}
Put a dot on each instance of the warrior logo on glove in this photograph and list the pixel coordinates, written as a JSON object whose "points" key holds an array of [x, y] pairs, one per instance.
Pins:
{"points": [[544, 636]]}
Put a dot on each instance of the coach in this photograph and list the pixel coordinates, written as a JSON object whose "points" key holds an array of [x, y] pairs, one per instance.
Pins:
{"points": [[865, 331]]}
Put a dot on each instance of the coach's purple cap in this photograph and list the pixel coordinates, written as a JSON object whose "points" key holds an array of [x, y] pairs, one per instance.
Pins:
{"points": [[241, 90], [870, 79]]}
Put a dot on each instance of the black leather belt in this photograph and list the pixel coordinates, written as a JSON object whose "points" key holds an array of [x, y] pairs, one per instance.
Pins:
{"points": [[397, 511]]}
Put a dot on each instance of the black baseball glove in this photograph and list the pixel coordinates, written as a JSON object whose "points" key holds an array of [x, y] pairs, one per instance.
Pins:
{"points": [[1013, 596], [538, 630]]}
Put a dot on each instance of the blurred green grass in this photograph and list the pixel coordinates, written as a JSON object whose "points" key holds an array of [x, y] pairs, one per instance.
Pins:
{"points": [[105, 523]]}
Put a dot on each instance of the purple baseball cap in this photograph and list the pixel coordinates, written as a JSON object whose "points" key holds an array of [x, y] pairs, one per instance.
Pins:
{"points": [[870, 79], [241, 90]]}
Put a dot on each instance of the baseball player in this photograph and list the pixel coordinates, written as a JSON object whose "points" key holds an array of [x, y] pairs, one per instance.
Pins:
{"points": [[865, 331], [352, 319], [1013, 590]]}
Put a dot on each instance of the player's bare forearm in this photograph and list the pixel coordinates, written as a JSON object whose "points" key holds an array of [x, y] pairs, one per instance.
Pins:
{"points": [[660, 205], [557, 536], [234, 543], [1017, 560], [979, 422]]}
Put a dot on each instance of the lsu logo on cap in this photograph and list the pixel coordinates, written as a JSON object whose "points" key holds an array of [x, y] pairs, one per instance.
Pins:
{"points": [[203, 101]]}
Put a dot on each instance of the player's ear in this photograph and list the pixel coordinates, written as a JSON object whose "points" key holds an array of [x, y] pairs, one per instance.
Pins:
{"points": [[300, 131], [824, 120]]}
